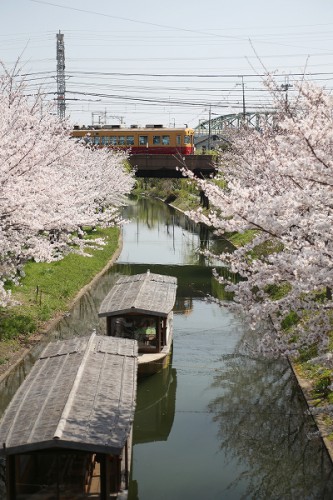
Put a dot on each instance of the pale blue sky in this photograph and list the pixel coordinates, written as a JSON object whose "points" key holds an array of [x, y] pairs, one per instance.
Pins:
{"points": [[167, 62]]}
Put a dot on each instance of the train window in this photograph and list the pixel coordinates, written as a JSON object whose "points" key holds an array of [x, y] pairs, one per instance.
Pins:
{"points": [[165, 140], [156, 139], [187, 139], [96, 140], [178, 139], [113, 140], [121, 140], [143, 140], [130, 140], [104, 140]]}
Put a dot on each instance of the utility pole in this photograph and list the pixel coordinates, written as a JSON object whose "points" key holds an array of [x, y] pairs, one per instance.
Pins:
{"points": [[209, 126], [284, 87], [61, 102], [243, 90]]}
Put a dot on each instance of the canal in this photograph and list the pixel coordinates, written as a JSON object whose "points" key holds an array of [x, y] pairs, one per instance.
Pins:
{"points": [[220, 422]]}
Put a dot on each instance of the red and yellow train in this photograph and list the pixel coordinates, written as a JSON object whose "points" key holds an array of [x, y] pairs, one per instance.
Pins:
{"points": [[152, 139]]}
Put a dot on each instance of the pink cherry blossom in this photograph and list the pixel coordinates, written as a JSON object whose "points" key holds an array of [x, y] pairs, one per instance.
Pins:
{"points": [[280, 185], [50, 185]]}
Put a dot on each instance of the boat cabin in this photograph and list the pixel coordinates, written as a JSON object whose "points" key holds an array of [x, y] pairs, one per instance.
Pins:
{"points": [[67, 432], [140, 307]]}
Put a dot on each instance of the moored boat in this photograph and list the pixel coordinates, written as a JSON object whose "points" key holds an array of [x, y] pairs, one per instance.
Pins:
{"points": [[140, 307], [67, 433]]}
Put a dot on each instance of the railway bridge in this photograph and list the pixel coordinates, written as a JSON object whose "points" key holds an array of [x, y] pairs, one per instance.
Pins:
{"points": [[169, 166], [249, 119]]}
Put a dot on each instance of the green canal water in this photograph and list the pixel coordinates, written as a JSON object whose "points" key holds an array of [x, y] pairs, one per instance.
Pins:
{"points": [[220, 422]]}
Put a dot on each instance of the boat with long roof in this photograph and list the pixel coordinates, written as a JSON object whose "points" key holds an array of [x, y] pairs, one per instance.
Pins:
{"points": [[140, 307]]}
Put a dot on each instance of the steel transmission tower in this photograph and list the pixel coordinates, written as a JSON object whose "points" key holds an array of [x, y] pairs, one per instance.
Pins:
{"points": [[61, 102]]}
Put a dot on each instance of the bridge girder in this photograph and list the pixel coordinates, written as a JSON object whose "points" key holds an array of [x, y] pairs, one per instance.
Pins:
{"points": [[250, 119]]}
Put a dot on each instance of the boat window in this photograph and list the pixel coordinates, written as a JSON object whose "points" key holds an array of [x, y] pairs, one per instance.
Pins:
{"points": [[141, 328], [165, 140], [145, 330], [143, 140]]}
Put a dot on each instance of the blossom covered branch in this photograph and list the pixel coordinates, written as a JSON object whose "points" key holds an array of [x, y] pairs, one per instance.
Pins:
{"points": [[279, 183]]}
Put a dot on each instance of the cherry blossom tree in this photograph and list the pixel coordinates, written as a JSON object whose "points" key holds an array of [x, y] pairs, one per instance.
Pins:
{"points": [[278, 185], [51, 186]]}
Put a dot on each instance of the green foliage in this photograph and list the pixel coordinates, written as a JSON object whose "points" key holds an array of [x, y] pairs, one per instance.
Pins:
{"points": [[48, 287], [307, 353], [219, 291], [221, 183], [290, 320], [278, 291], [183, 192], [12, 325], [265, 249], [241, 239], [322, 383], [211, 152]]}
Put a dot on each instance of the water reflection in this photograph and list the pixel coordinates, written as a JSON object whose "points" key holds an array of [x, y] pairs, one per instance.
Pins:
{"points": [[159, 234], [155, 407], [261, 420]]}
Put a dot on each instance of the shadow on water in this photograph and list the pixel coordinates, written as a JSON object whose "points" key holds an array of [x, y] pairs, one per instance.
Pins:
{"points": [[155, 407], [262, 422], [218, 423]]}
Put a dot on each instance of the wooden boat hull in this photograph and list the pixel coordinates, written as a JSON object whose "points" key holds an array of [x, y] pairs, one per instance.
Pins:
{"points": [[149, 364]]}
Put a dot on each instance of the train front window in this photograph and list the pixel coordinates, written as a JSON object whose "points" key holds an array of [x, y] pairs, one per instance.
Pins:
{"points": [[165, 140], [130, 140], [187, 139], [143, 140], [156, 139]]}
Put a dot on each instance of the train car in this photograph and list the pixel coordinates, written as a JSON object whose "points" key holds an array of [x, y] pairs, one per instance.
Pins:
{"points": [[152, 139]]}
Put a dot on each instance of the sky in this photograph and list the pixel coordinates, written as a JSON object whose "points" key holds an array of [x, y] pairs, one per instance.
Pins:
{"points": [[171, 63]]}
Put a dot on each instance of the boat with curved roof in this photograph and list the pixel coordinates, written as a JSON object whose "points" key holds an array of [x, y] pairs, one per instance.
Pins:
{"points": [[140, 307]]}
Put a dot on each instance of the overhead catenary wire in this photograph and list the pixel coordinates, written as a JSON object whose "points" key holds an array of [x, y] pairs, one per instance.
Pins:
{"points": [[187, 89]]}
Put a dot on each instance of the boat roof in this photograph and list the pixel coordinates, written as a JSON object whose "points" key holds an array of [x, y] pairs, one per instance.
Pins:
{"points": [[148, 293], [80, 395]]}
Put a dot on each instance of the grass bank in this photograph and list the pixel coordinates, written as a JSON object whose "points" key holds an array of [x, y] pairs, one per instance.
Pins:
{"points": [[47, 291]]}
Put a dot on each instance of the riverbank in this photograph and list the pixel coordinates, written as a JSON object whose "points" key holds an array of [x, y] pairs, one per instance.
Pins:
{"points": [[12, 351], [322, 419]]}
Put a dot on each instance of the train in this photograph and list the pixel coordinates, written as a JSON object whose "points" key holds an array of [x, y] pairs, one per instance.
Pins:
{"points": [[151, 139]]}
